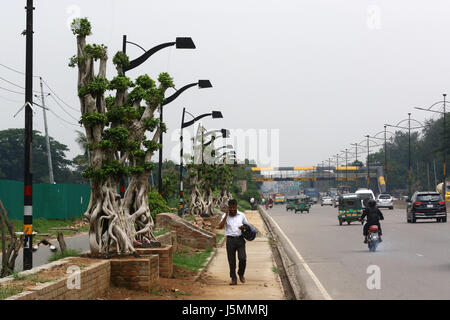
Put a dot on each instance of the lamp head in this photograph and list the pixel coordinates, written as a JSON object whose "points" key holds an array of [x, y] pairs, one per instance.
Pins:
{"points": [[217, 114], [202, 84], [184, 43], [225, 133]]}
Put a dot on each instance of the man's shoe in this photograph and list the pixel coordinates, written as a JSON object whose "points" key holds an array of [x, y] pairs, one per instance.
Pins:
{"points": [[365, 240], [233, 282], [242, 278]]}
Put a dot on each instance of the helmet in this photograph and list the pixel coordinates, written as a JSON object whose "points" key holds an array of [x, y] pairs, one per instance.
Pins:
{"points": [[371, 203]]}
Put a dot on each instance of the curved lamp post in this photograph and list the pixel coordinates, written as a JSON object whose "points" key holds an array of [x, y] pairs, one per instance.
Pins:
{"points": [[444, 140], [385, 150], [215, 115], [409, 128]]}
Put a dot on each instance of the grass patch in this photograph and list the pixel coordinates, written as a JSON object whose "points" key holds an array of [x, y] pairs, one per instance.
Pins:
{"points": [[193, 262], [219, 237], [67, 253], [6, 292], [161, 232], [33, 278], [181, 293], [244, 205], [275, 270]]}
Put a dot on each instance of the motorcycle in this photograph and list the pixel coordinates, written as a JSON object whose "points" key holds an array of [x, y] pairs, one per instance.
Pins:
{"points": [[373, 238]]}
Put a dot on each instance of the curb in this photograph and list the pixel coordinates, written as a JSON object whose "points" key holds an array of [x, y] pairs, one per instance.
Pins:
{"points": [[208, 262], [302, 282]]}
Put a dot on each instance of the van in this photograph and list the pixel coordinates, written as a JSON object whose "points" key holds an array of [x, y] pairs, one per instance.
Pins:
{"points": [[365, 194]]}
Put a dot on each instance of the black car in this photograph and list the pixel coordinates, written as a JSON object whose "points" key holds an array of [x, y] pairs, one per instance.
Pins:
{"points": [[426, 205]]}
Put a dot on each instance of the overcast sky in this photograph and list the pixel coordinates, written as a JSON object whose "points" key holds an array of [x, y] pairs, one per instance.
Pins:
{"points": [[323, 73]]}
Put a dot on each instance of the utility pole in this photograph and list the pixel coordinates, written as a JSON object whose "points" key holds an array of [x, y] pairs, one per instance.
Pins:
{"points": [[434, 167], [444, 150], [409, 155], [428, 175], [28, 176], [356, 161], [368, 174], [385, 159], [47, 139]]}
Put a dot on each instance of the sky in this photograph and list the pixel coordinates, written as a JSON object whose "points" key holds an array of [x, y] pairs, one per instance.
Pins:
{"points": [[302, 79]]}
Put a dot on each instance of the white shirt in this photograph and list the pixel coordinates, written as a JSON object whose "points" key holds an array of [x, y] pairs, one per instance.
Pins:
{"points": [[252, 200], [233, 223]]}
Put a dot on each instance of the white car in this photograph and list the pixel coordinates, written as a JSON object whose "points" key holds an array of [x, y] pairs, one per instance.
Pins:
{"points": [[326, 201], [385, 201], [365, 194]]}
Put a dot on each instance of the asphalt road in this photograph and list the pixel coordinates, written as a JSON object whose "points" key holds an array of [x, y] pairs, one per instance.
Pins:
{"points": [[413, 259], [40, 257]]}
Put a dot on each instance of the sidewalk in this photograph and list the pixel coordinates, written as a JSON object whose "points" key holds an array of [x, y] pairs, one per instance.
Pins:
{"points": [[262, 282]]}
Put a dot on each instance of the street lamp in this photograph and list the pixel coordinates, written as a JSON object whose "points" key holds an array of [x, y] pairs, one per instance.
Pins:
{"points": [[215, 115], [202, 84], [444, 141], [385, 151], [409, 144]]}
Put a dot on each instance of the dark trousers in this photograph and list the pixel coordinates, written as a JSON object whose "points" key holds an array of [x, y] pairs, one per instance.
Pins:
{"points": [[233, 245]]}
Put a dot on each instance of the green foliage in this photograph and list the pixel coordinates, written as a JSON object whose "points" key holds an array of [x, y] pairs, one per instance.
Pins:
{"points": [[154, 96], [121, 60], [81, 27], [74, 61], [165, 80], [138, 153], [151, 145], [121, 83], [145, 82], [12, 158], [92, 119], [117, 135], [123, 114], [110, 101], [157, 204], [67, 253], [96, 87], [96, 51], [109, 169], [137, 94]]}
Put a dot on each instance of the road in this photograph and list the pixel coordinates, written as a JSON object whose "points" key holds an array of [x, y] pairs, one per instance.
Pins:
{"points": [[40, 257], [414, 259]]}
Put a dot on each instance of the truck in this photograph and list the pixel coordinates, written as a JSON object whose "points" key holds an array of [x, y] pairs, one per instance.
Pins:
{"points": [[447, 191], [313, 194], [280, 198]]}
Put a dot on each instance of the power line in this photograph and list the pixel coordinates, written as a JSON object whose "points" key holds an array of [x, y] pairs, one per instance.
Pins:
{"points": [[12, 69], [70, 107], [62, 119], [22, 93], [62, 108]]}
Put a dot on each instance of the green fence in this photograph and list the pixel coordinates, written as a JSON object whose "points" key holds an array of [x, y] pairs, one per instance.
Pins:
{"points": [[50, 201]]}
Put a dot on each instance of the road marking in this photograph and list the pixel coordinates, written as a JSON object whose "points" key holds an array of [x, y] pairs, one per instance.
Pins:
{"points": [[319, 285]]}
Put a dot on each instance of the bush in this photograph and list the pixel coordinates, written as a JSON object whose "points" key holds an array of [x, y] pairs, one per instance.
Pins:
{"points": [[244, 205], [157, 204], [247, 195]]}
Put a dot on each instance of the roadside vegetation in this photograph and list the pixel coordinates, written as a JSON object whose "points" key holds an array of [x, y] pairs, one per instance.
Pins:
{"points": [[191, 259]]}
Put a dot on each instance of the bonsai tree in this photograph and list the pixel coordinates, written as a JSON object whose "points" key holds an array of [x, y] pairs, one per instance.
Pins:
{"points": [[116, 127]]}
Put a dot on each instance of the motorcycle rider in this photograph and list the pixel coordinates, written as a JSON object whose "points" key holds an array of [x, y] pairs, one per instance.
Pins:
{"points": [[374, 216]]}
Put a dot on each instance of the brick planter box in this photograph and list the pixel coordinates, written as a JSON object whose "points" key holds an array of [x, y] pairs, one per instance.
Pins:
{"points": [[165, 253], [187, 233], [135, 273], [94, 280]]}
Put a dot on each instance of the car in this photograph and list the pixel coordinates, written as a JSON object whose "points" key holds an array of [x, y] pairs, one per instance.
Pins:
{"points": [[326, 201], [365, 194], [385, 201], [336, 201], [426, 205]]}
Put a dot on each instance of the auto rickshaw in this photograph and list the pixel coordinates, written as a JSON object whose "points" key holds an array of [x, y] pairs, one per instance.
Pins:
{"points": [[290, 203], [303, 204], [350, 208]]}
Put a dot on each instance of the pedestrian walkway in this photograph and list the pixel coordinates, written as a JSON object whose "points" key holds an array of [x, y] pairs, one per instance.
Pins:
{"points": [[262, 281]]}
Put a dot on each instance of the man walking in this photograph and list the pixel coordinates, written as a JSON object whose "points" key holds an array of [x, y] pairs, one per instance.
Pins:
{"points": [[233, 220]]}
